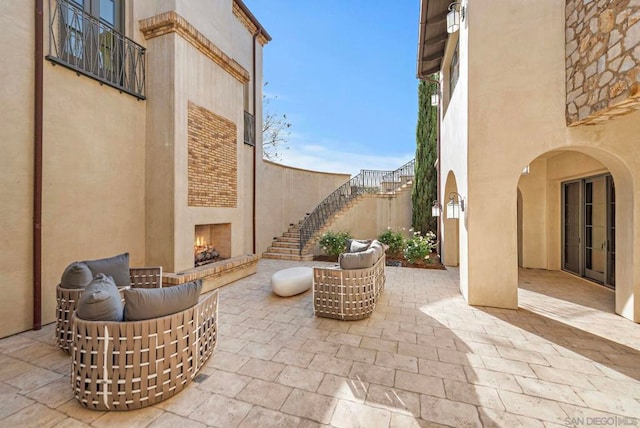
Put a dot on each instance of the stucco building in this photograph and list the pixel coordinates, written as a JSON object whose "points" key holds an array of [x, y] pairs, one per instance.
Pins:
{"points": [[538, 138], [145, 113], [135, 126]]}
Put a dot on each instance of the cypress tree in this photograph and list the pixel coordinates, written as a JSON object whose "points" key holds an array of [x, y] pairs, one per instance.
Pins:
{"points": [[425, 186]]}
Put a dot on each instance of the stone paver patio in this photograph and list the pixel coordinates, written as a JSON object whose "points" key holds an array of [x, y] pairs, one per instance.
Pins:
{"points": [[424, 358]]}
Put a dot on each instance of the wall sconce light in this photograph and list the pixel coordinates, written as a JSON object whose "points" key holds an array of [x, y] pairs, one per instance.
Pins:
{"points": [[436, 209], [525, 170], [435, 99], [455, 205], [456, 10]]}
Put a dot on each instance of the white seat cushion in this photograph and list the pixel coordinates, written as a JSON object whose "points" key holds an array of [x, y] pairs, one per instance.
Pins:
{"points": [[292, 281]]}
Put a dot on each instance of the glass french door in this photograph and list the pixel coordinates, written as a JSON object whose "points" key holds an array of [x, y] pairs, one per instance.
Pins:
{"points": [[611, 233], [572, 228], [588, 239]]}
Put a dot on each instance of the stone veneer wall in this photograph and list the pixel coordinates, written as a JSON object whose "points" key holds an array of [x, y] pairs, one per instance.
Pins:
{"points": [[213, 159], [602, 59]]}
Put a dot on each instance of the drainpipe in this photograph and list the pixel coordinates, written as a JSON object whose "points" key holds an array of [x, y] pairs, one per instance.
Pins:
{"points": [[255, 136], [37, 168]]}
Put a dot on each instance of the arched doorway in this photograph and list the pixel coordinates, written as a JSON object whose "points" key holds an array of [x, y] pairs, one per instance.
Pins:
{"points": [[567, 218], [450, 238]]}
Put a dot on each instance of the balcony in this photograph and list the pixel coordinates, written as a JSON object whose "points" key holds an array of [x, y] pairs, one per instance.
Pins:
{"points": [[249, 129], [85, 44]]}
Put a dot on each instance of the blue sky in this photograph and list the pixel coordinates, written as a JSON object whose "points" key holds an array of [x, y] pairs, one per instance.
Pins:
{"points": [[343, 72]]}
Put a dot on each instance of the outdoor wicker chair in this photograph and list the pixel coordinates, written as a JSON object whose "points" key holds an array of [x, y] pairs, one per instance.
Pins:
{"points": [[347, 294], [66, 299], [128, 365]]}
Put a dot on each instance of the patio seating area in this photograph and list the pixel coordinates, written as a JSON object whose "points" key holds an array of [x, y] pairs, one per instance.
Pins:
{"points": [[423, 358]]}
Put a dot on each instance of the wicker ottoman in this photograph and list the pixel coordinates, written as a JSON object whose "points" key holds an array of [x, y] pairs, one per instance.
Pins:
{"points": [[292, 281]]}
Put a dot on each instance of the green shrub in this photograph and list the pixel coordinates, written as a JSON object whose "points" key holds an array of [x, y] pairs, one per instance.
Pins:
{"points": [[395, 241], [419, 247], [334, 243]]}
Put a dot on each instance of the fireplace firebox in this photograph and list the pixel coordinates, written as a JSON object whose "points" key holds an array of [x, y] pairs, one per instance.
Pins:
{"points": [[212, 243]]}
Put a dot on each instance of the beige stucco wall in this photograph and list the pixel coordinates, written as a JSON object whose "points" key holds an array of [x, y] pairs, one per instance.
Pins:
{"points": [[93, 173], [160, 142], [250, 156], [453, 158], [358, 220], [395, 212], [213, 18], [187, 75], [507, 111], [208, 85], [109, 159], [389, 213], [516, 102], [285, 194], [16, 164], [93, 190], [533, 188]]}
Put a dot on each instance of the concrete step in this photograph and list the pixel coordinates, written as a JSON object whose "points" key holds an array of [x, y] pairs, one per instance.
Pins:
{"points": [[295, 257], [288, 239], [282, 244], [291, 235], [280, 250]]}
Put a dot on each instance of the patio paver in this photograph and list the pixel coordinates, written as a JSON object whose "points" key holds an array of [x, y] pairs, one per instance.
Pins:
{"points": [[424, 358]]}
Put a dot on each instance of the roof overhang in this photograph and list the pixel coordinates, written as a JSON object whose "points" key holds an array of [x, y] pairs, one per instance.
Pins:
{"points": [[261, 30], [432, 36]]}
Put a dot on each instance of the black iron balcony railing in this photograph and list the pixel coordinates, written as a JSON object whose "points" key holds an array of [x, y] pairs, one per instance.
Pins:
{"points": [[83, 43], [368, 181], [249, 129]]}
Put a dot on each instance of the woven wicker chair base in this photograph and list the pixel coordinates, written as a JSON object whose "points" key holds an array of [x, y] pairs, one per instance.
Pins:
{"points": [[133, 364], [66, 299], [347, 294]]}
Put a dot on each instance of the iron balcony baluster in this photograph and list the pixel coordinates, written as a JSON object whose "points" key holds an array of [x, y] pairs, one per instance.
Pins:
{"points": [[85, 44]]}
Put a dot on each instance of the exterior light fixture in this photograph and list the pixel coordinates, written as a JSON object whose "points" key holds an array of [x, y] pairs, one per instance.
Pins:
{"points": [[456, 11], [436, 209], [525, 170], [435, 99], [455, 205]]}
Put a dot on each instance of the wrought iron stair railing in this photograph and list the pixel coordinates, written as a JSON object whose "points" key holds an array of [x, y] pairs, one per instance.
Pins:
{"points": [[366, 182], [400, 176]]}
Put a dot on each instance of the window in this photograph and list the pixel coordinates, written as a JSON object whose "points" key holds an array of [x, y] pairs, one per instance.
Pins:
{"points": [[90, 44], [249, 129], [249, 119], [87, 36], [454, 70]]}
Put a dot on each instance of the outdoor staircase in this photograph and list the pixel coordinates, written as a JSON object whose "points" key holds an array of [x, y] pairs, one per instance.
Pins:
{"points": [[297, 242], [287, 246]]}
